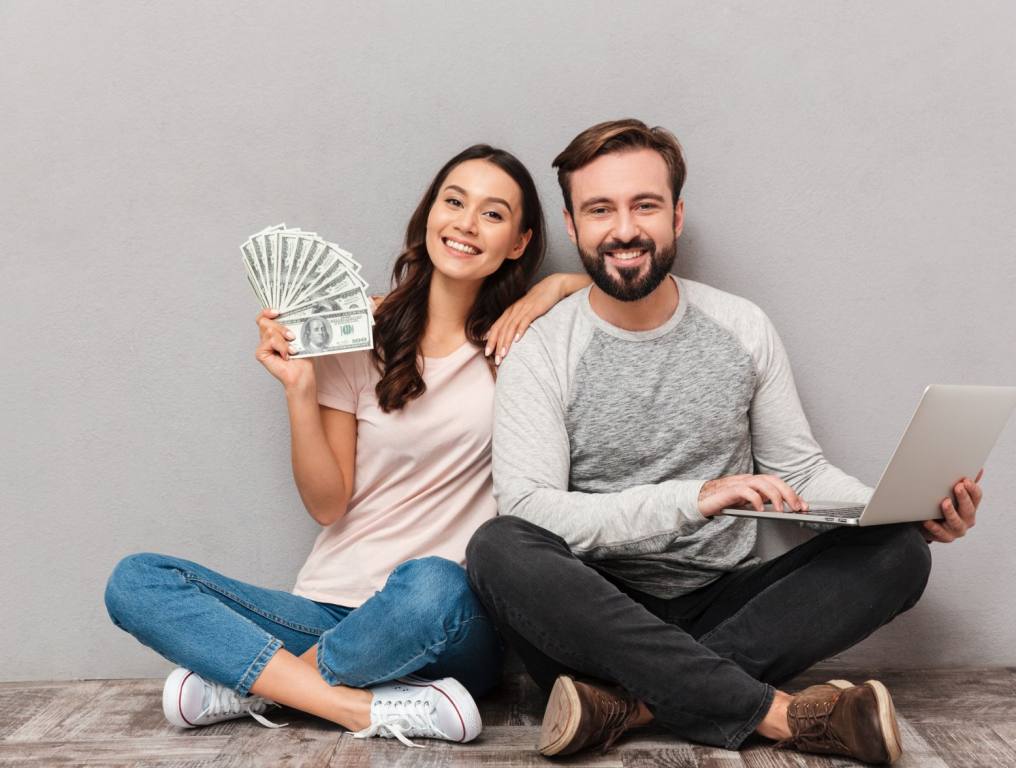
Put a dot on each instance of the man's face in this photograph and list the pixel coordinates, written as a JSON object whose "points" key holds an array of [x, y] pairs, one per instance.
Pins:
{"points": [[625, 223]]}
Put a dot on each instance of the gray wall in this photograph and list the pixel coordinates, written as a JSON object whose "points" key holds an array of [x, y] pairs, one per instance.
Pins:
{"points": [[851, 170]]}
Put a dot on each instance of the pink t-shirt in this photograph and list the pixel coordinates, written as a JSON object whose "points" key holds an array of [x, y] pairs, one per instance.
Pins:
{"points": [[422, 483]]}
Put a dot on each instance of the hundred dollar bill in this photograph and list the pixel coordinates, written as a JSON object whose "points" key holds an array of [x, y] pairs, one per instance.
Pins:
{"points": [[349, 299], [331, 332], [308, 249], [326, 277], [254, 247]]}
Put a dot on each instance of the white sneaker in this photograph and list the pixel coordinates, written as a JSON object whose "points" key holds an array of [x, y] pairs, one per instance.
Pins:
{"points": [[189, 700], [429, 709]]}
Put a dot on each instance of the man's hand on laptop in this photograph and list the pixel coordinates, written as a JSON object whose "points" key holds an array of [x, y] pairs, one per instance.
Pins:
{"points": [[746, 491], [959, 515]]}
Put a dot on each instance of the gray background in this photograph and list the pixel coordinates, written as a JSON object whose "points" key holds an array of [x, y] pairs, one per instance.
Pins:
{"points": [[851, 170]]}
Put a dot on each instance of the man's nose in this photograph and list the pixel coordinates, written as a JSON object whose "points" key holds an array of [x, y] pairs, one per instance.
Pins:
{"points": [[625, 227]]}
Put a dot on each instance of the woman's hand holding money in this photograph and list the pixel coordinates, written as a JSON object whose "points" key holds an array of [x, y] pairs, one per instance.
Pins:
{"points": [[274, 350]]}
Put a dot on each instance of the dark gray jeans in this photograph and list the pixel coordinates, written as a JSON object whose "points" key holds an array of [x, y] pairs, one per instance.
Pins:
{"points": [[704, 663]]}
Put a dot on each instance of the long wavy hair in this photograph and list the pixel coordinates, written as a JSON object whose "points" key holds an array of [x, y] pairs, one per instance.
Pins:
{"points": [[402, 318]]}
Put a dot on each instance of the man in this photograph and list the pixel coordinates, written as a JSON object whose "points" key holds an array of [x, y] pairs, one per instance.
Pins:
{"points": [[625, 421]]}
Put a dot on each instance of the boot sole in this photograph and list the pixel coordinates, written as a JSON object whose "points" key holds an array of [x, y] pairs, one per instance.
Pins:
{"points": [[887, 719], [561, 717], [886, 716]]}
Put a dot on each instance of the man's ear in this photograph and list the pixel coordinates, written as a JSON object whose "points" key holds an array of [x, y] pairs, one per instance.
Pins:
{"points": [[679, 217], [520, 247], [569, 224]]}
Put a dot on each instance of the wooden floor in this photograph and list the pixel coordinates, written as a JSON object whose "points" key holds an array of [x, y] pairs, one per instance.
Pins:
{"points": [[955, 718]]}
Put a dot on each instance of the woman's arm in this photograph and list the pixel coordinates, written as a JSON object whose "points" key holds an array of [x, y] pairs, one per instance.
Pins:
{"points": [[323, 439], [539, 300]]}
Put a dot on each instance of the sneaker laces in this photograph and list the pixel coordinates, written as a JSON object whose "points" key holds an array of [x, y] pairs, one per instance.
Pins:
{"points": [[402, 719], [225, 701]]}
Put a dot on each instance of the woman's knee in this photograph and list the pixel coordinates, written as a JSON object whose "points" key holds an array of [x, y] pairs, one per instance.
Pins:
{"points": [[436, 588], [125, 588]]}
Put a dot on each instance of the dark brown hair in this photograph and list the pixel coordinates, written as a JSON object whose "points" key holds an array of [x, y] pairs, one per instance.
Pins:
{"points": [[619, 136], [402, 318]]}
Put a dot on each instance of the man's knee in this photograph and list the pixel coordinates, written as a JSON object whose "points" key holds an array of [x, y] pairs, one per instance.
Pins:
{"points": [[904, 562], [497, 546]]}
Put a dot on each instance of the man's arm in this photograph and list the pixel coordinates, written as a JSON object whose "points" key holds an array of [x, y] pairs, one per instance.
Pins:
{"points": [[532, 461]]}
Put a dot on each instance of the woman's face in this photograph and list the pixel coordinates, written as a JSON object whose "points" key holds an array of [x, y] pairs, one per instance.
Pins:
{"points": [[473, 225]]}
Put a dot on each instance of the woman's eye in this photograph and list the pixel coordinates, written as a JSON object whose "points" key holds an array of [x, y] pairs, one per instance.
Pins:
{"points": [[494, 215], [454, 202]]}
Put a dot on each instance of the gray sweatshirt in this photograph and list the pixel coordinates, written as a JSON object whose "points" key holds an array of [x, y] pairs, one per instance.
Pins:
{"points": [[606, 436]]}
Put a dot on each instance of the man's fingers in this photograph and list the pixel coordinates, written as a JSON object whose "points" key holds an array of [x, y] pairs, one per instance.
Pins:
{"points": [[773, 488], [975, 492], [752, 498], [795, 501], [938, 532], [952, 519], [966, 507], [768, 489]]}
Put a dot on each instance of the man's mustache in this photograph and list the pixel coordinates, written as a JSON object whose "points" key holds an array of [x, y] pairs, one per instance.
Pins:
{"points": [[638, 244]]}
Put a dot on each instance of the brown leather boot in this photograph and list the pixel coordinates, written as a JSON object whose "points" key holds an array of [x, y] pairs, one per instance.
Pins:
{"points": [[580, 715], [845, 719]]}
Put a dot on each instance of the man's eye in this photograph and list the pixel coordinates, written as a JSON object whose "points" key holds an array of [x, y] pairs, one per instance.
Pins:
{"points": [[647, 206], [597, 211]]}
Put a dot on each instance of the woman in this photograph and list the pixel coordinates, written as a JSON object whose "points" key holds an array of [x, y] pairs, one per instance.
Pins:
{"points": [[391, 454]]}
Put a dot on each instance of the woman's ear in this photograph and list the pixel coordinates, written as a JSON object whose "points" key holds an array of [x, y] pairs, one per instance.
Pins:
{"points": [[521, 244]]}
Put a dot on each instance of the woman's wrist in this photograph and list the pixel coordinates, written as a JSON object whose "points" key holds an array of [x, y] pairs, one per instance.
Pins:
{"points": [[302, 391]]}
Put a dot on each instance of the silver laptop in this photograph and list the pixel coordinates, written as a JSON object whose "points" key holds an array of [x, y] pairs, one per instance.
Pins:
{"points": [[949, 437]]}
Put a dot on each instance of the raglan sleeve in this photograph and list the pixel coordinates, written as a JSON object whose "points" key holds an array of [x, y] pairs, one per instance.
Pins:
{"points": [[531, 463]]}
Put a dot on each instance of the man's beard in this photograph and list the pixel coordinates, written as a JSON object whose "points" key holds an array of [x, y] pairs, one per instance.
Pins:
{"points": [[630, 287]]}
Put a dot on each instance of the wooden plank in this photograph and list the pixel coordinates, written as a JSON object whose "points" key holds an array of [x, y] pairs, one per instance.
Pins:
{"points": [[1007, 732], [964, 744], [109, 752], [21, 705], [290, 747]]}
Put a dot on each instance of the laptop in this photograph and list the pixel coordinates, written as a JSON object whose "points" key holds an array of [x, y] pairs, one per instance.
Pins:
{"points": [[949, 437]]}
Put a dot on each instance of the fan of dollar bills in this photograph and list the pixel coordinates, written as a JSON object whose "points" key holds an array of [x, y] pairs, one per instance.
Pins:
{"points": [[315, 286]]}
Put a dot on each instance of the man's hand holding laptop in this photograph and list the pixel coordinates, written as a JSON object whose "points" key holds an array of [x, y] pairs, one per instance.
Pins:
{"points": [[959, 516]]}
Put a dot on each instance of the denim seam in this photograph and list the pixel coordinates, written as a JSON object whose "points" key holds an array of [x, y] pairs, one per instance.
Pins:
{"points": [[253, 608], [332, 679], [768, 694], [257, 666]]}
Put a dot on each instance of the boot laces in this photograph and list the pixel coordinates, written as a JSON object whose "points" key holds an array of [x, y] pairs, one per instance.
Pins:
{"points": [[615, 722], [813, 728]]}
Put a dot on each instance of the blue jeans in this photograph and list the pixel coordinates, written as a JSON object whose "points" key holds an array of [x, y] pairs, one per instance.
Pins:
{"points": [[426, 620]]}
